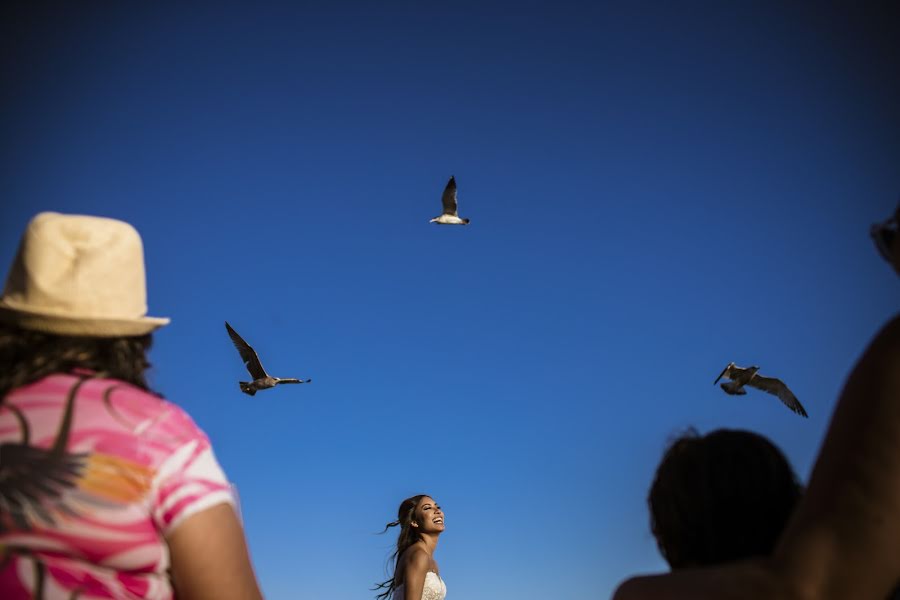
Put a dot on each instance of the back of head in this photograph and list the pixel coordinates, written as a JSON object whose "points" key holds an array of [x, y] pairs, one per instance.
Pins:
{"points": [[720, 497], [75, 297]]}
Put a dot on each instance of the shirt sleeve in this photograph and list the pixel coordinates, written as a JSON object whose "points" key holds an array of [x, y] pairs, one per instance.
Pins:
{"points": [[189, 479]]}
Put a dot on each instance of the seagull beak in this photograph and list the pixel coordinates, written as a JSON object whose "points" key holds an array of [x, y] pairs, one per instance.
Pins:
{"points": [[725, 370]]}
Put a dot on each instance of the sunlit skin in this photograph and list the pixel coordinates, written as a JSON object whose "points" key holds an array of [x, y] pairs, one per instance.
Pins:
{"points": [[419, 558], [209, 558]]}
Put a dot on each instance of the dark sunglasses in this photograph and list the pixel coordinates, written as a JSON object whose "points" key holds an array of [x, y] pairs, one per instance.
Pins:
{"points": [[883, 234]]}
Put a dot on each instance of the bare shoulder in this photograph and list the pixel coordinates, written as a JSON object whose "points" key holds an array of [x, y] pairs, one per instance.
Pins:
{"points": [[416, 559], [744, 580]]}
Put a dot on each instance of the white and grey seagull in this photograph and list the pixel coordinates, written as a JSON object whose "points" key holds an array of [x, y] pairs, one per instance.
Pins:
{"points": [[450, 216], [261, 379], [740, 377]]}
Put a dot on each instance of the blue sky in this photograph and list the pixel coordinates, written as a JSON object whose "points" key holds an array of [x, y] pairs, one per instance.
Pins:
{"points": [[654, 191]]}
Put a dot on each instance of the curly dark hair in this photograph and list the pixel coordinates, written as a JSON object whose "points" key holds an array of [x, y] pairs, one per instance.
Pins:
{"points": [[720, 497], [409, 535], [27, 356]]}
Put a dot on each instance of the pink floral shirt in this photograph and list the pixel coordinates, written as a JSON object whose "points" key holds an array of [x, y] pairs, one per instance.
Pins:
{"points": [[94, 474]]}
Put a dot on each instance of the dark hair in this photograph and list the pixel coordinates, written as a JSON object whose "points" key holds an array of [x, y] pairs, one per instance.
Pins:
{"points": [[720, 497], [409, 535], [27, 356]]}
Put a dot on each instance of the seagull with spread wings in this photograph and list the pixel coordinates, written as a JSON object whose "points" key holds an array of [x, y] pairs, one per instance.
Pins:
{"points": [[740, 377], [261, 379], [450, 216]]}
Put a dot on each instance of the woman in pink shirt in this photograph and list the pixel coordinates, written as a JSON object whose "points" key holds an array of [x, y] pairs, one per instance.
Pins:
{"points": [[106, 489]]}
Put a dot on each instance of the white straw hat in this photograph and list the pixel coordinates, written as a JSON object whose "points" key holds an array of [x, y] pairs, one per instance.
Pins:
{"points": [[79, 275]]}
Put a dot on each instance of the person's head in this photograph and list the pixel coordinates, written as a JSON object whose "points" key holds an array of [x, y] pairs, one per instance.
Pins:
{"points": [[426, 518], [887, 239], [75, 297], [720, 497], [418, 516]]}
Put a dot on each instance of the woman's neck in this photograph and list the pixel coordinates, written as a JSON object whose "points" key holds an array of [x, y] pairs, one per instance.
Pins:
{"points": [[429, 540]]}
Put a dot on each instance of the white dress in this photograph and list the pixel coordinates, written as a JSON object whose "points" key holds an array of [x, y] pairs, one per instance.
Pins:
{"points": [[434, 589]]}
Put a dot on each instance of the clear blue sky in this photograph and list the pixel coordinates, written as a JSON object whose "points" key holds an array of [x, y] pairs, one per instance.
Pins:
{"points": [[654, 192]]}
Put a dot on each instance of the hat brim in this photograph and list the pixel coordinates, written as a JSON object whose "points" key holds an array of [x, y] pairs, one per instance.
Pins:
{"points": [[79, 326]]}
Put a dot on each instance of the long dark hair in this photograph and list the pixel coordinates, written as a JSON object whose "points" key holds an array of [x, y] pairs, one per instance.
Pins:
{"points": [[409, 535], [27, 356]]}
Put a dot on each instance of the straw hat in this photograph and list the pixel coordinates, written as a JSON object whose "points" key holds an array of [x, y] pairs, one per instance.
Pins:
{"points": [[79, 275]]}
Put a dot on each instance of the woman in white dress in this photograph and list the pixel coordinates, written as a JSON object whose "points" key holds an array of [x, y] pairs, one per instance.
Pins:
{"points": [[416, 575]]}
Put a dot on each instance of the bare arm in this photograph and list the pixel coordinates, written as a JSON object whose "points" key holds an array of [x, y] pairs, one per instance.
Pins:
{"points": [[414, 574], [210, 560], [845, 535]]}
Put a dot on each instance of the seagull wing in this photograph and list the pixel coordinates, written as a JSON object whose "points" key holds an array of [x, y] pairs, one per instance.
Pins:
{"points": [[248, 354], [726, 372], [778, 388], [449, 197]]}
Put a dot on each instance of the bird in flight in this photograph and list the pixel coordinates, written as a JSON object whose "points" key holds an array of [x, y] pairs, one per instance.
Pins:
{"points": [[450, 215], [750, 376], [261, 379]]}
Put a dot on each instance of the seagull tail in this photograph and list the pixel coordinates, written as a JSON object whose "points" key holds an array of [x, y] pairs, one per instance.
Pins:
{"points": [[465, 221], [247, 388]]}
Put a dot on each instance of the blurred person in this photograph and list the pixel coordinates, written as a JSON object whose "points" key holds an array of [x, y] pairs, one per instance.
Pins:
{"points": [[843, 539], [106, 489], [885, 236], [720, 497], [416, 575]]}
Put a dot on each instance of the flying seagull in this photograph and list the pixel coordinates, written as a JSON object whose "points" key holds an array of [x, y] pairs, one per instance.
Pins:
{"points": [[450, 215], [740, 377], [261, 379]]}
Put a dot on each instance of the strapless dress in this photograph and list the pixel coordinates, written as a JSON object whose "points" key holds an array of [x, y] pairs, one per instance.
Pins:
{"points": [[434, 589]]}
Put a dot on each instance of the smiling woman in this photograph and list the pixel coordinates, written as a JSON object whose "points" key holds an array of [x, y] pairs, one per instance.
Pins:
{"points": [[416, 575]]}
